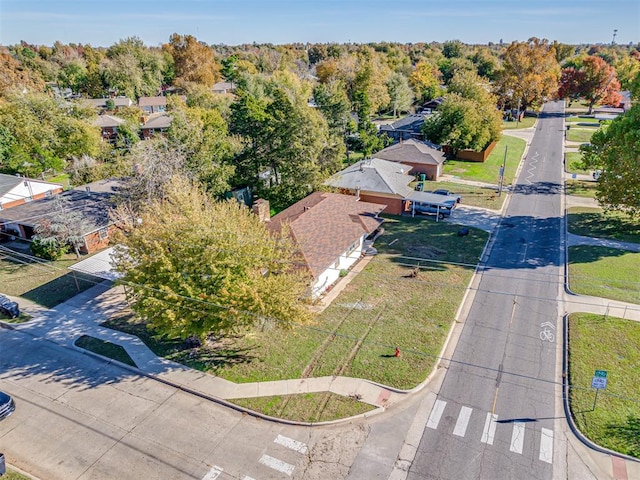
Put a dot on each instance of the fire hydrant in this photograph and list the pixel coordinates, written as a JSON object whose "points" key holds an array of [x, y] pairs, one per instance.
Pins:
{"points": [[397, 354]]}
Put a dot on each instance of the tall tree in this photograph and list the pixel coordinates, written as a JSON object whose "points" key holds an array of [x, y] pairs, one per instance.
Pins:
{"points": [[227, 273], [400, 94], [424, 80], [530, 72], [13, 76], [599, 83], [194, 61], [464, 123], [616, 151]]}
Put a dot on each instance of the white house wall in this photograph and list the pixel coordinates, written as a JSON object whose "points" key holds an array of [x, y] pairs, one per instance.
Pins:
{"points": [[22, 192], [332, 273]]}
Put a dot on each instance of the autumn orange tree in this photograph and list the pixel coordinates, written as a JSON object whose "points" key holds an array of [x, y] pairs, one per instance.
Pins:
{"points": [[530, 72], [194, 61]]}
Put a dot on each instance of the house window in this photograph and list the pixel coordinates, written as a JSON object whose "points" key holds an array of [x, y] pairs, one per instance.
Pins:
{"points": [[103, 233], [353, 247]]}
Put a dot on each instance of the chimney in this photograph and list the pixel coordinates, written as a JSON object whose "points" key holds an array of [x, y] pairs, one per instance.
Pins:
{"points": [[261, 208]]}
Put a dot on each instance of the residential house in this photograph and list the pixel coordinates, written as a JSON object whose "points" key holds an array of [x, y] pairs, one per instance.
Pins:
{"points": [[376, 181], [100, 104], [16, 190], [329, 230], [108, 126], [151, 105], [419, 157], [223, 88], [93, 201], [431, 105], [154, 125], [405, 128], [387, 183]]}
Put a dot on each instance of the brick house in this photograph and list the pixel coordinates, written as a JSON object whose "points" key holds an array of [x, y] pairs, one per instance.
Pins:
{"points": [[329, 230], [418, 156]]}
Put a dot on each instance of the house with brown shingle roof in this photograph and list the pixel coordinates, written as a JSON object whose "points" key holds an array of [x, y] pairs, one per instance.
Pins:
{"points": [[417, 155], [329, 230]]}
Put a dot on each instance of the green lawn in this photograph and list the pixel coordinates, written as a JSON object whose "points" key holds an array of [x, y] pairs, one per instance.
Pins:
{"points": [[13, 475], [594, 222], [306, 407], [43, 282], [382, 307], [581, 188], [582, 135], [62, 178], [471, 195], [574, 163], [611, 344], [604, 272], [104, 348], [489, 171], [526, 122]]}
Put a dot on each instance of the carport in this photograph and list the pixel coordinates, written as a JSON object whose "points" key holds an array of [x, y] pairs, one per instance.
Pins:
{"points": [[439, 205], [100, 265]]}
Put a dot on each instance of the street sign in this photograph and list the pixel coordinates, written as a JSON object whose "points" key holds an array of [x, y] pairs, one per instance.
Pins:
{"points": [[600, 373], [599, 383]]}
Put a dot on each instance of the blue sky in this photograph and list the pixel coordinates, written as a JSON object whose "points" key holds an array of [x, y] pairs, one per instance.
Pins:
{"points": [[102, 23]]}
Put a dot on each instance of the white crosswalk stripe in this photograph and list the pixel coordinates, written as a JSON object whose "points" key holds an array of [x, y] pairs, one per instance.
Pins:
{"points": [[489, 430], [546, 445], [291, 443], [213, 473], [517, 437], [463, 420], [436, 413], [518, 433], [276, 464]]}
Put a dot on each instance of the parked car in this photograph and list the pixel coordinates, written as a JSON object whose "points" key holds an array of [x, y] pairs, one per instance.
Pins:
{"points": [[9, 307], [448, 193], [7, 405], [438, 209]]}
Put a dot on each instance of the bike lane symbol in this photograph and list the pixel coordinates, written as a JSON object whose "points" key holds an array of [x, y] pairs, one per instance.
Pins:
{"points": [[546, 334]]}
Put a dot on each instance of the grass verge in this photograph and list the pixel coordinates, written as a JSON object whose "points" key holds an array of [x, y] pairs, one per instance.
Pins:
{"points": [[574, 163], [611, 344], [582, 135], [489, 171], [22, 318], [595, 222], [526, 122], [484, 197], [306, 407], [581, 188], [43, 282], [382, 307], [13, 475], [604, 272], [104, 348]]}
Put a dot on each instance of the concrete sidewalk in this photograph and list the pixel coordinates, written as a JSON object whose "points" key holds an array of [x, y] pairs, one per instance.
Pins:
{"points": [[83, 314]]}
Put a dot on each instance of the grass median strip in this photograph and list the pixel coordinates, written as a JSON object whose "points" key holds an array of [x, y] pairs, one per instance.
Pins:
{"points": [[104, 348], [605, 343], [604, 272], [306, 407]]}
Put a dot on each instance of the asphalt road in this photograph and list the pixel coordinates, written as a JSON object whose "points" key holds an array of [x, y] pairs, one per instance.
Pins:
{"points": [[494, 417], [79, 417]]}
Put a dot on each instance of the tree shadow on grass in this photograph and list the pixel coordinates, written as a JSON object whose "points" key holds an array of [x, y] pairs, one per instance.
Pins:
{"points": [[627, 434], [212, 359], [60, 289]]}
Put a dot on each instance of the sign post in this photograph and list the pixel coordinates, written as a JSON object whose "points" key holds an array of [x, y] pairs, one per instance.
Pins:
{"points": [[599, 382]]}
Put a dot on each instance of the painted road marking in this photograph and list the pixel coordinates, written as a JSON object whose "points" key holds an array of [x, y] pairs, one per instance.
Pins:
{"points": [[546, 445], [463, 420], [436, 413], [276, 464], [291, 443], [247, 477], [489, 430], [213, 473], [517, 437]]}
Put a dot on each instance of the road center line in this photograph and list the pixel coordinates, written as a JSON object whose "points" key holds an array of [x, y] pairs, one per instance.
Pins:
{"points": [[517, 437], [436, 413], [546, 445], [489, 430], [291, 443], [463, 420]]}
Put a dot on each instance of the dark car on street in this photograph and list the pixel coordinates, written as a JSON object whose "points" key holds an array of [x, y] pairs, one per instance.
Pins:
{"points": [[7, 405], [9, 307]]}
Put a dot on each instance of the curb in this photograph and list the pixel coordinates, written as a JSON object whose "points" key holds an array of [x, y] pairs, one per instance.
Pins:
{"points": [[567, 407]]}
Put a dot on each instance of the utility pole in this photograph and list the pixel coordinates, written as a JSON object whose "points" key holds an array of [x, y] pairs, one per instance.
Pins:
{"points": [[502, 168], [615, 32]]}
